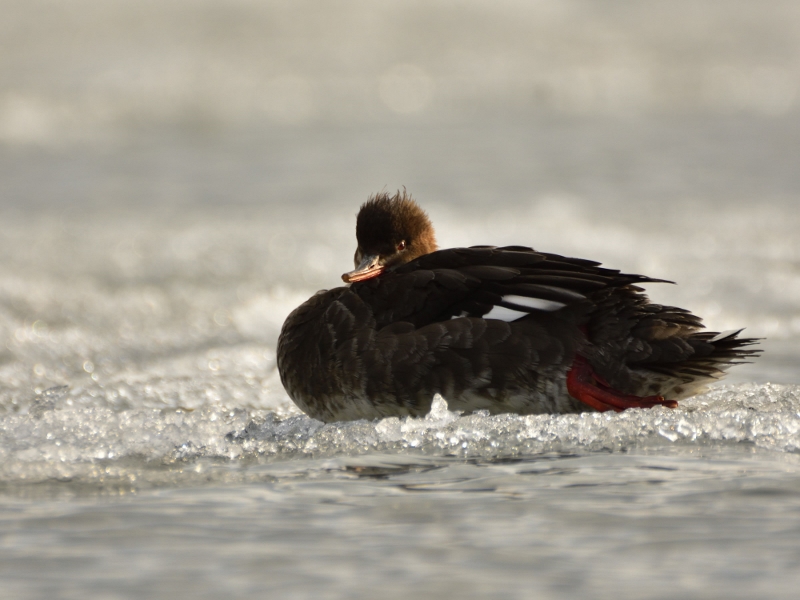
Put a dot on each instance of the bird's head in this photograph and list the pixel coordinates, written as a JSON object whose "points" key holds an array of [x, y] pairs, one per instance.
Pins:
{"points": [[391, 231]]}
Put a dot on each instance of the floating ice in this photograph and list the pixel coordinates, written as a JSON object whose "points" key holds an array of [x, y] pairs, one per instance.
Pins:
{"points": [[142, 350], [69, 434]]}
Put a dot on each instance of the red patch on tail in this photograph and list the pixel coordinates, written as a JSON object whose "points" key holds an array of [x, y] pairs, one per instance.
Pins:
{"points": [[585, 385]]}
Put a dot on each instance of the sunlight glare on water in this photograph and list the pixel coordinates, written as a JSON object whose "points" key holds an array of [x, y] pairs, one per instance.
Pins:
{"points": [[145, 432], [175, 179]]}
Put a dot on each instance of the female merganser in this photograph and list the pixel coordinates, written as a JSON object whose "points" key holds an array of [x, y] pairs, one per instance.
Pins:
{"points": [[507, 330]]}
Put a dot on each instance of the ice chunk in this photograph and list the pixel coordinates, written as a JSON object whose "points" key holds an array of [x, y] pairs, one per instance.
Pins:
{"points": [[80, 438]]}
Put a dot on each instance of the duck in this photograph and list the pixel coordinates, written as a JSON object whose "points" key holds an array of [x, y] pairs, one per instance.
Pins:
{"points": [[498, 329]]}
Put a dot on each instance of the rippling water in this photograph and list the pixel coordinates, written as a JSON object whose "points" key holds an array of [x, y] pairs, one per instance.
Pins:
{"points": [[148, 449], [173, 183]]}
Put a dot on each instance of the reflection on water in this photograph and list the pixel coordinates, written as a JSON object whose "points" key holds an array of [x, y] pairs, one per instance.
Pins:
{"points": [[594, 525]]}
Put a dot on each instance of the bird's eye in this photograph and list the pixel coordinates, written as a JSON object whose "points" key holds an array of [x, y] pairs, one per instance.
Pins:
{"points": [[401, 246]]}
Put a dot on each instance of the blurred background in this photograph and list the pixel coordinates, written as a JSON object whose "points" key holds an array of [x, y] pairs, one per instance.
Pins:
{"points": [[89, 71], [176, 175]]}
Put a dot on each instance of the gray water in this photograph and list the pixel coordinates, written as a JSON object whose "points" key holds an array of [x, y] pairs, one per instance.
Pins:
{"points": [[176, 178]]}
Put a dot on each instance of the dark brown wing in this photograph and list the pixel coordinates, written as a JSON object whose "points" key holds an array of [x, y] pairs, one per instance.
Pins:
{"points": [[635, 335], [501, 283], [624, 329]]}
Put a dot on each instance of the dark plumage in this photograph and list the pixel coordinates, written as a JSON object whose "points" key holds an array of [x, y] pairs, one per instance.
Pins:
{"points": [[501, 329]]}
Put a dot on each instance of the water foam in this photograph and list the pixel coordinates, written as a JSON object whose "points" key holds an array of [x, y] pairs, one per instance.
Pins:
{"points": [[67, 434]]}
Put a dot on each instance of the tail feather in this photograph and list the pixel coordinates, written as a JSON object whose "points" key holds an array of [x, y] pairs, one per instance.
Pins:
{"points": [[713, 354]]}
